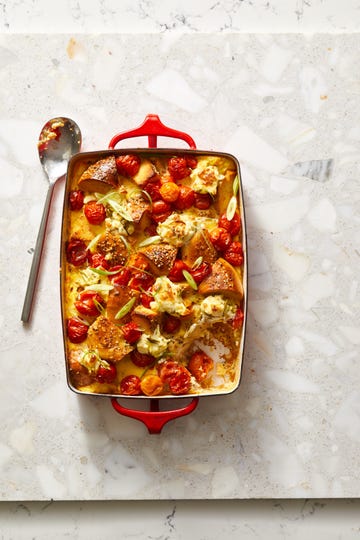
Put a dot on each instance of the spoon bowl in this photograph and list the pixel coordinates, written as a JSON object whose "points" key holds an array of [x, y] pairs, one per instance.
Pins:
{"points": [[59, 140]]}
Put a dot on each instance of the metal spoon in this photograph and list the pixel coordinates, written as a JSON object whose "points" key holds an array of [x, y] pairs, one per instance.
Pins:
{"points": [[59, 139]]}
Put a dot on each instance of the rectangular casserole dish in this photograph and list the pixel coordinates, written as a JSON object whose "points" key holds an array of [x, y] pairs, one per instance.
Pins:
{"points": [[153, 273]]}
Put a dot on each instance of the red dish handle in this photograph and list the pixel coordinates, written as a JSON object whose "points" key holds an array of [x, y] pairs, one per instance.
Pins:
{"points": [[152, 127], [155, 419]]}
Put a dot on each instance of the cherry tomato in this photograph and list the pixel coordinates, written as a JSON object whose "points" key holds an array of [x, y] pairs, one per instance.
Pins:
{"points": [[238, 320], [200, 364], [141, 281], [178, 168], [169, 192], [180, 383], [128, 165], [161, 210], [176, 272], [122, 277], [94, 212], [76, 252], [141, 360], [153, 189], [76, 330], [234, 254], [203, 270], [130, 385], [146, 299], [168, 369], [151, 385], [233, 226], [202, 201], [76, 199], [97, 259], [171, 324], [106, 374], [131, 332], [88, 302], [191, 162], [186, 198], [220, 238]]}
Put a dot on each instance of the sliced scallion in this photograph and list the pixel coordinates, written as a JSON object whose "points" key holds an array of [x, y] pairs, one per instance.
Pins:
{"points": [[99, 306], [231, 208], [125, 242], [103, 272], [236, 185], [150, 240], [191, 281], [197, 263], [93, 242], [125, 309], [147, 195], [99, 287]]}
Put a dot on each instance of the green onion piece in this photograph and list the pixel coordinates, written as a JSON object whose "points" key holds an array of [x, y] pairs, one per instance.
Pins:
{"points": [[99, 306], [236, 185], [197, 263], [147, 195], [93, 242], [191, 281], [91, 364], [125, 309], [103, 272], [149, 241], [99, 287], [126, 243], [231, 208]]}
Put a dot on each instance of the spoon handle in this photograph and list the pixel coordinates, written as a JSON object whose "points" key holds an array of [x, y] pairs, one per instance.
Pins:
{"points": [[25, 315]]}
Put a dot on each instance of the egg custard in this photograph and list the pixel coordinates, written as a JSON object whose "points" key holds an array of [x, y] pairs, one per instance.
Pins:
{"points": [[153, 273]]}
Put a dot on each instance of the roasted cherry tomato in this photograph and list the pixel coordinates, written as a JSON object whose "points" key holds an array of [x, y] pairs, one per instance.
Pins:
{"points": [[176, 272], [180, 383], [122, 277], [146, 299], [161, 210], [106, 373], [220, 238], [178, 167], [76, 251], [169, 192], [151, 385], [76, 330], [203, 270], [130, 385], [97, 259], [238, 320], [153, 189], [141, 281], [186, 198], [171, 324], [89, 303], [234, 254], [141, 360], [168, 369], [191, 162], [200, 364], [131, 332], [128, 165], [202, 201], [76, 199], [233, 226], [95, 212]]}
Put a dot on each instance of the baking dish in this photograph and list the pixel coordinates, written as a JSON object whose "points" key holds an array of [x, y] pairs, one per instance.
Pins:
{"points": [[153, 274]]}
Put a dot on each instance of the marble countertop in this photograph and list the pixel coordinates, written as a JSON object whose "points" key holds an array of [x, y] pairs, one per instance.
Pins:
{"points": [[287, 106]]}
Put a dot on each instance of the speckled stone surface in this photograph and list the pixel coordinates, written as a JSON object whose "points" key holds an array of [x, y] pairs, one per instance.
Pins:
{"points": [[287, 107]]}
